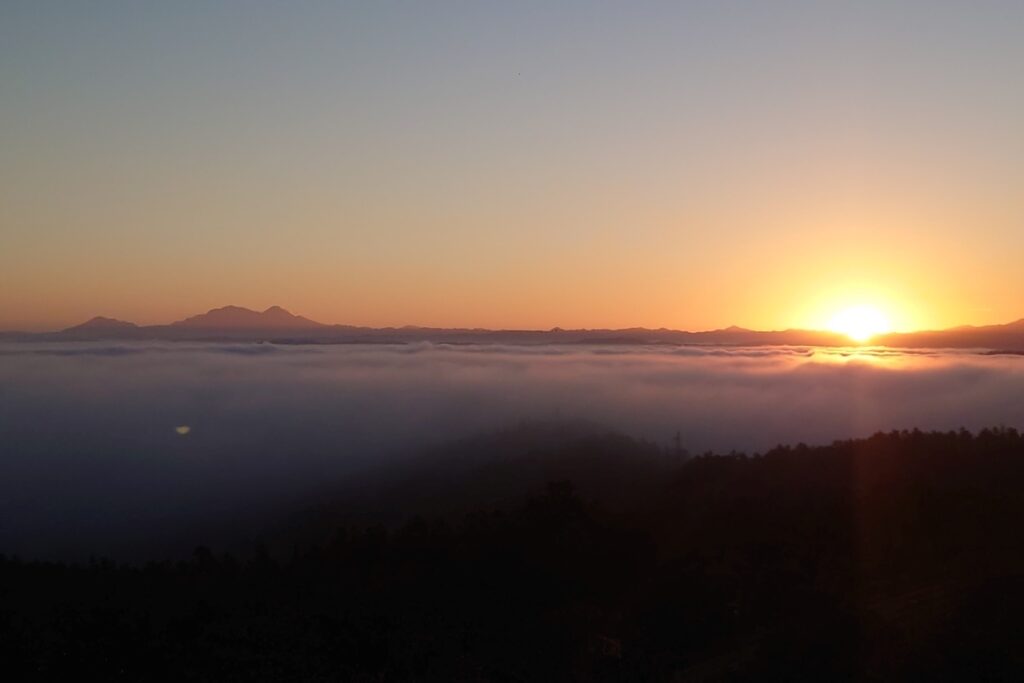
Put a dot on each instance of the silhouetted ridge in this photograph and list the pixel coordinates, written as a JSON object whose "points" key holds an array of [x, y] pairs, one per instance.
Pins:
{"points": [[277, 324], [102, 323], [236, 317]]}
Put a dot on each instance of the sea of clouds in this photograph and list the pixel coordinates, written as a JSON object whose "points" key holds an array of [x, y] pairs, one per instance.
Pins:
{"points": [[93, 436]]}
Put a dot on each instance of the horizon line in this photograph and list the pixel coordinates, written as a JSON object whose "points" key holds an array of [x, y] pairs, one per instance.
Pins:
{"points": [[557, 328]]}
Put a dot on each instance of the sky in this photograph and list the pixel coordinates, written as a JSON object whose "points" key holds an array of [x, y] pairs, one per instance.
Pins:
{"points": [[531, 164]]}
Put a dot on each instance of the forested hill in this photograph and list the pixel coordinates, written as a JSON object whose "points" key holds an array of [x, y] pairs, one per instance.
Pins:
{"points": [[897, 557]]}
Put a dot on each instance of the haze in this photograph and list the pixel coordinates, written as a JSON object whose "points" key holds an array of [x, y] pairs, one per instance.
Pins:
{"points": [[689, 165], [96, 459]]}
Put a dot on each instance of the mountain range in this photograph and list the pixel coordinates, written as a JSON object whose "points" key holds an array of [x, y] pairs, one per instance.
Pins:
{"points": [[275, 324]]}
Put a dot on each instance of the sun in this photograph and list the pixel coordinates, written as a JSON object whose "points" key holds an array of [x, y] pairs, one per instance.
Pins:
{"points": [[860, 323]]}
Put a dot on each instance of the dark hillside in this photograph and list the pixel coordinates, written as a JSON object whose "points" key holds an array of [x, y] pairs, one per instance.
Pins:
{"points": [[897, 557]]}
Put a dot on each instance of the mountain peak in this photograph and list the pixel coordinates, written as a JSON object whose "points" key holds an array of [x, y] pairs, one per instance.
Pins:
{"points": [[278, 313], [237, 317], [101, 323]]}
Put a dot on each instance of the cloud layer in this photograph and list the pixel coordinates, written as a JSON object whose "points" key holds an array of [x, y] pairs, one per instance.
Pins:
{"points": [[141, 437]]}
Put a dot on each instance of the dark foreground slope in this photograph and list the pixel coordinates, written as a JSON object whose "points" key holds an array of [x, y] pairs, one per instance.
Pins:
{"points": [[897, 557]]}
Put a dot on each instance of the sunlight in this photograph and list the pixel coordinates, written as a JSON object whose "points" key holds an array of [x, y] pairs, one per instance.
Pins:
{"points": [[860, 323]]}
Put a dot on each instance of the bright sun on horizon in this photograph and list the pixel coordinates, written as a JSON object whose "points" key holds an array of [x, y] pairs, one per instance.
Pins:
{"points": [[860, 323]]}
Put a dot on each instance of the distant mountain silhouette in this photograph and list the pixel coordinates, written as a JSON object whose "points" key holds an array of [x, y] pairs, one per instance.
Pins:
{"points": [[101, 323], [235, 323], [99, 327], [236, 317], [1008, 337]]}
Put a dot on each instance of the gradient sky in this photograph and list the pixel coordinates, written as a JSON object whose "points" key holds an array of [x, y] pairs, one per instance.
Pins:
{"points": [[683, 164]]}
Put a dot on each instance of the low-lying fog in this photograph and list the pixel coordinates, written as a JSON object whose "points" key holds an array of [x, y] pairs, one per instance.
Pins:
{"points": [[137, 438]]}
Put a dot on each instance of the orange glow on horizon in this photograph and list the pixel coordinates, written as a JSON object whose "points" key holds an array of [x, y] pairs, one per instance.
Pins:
{"points": [[860, 323]]}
